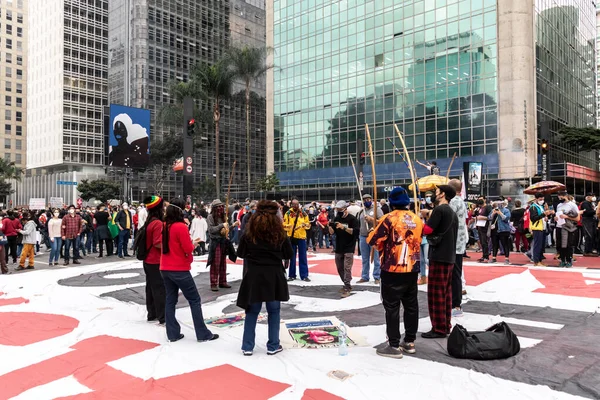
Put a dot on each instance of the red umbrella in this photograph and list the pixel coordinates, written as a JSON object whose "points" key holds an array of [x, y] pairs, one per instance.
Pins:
{"points": [[546, 187]]}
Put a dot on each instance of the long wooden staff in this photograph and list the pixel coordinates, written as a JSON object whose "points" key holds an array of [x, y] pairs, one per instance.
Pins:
{"points": [[374, 182], [228, 193], [450, 167], [356, 176], [411, 168]]}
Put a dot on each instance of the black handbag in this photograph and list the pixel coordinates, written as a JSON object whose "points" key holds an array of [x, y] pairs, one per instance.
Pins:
{"points": [[496, 342]]}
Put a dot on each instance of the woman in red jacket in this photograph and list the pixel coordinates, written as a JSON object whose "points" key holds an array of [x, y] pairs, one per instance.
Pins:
{"points": [[175, 266]]}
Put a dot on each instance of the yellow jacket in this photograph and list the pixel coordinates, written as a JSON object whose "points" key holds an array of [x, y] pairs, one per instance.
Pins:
{"points": [[301, 225]]}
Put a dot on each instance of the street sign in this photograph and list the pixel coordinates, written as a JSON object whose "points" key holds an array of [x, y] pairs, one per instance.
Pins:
{"points": [[56, 202], [79, 202], [69, 183], [38, 203]]}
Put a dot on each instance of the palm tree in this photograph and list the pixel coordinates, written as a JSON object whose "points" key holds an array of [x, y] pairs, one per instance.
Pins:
{"points": [[9, 170], [215, 81], [172, 114], [248, 64]]}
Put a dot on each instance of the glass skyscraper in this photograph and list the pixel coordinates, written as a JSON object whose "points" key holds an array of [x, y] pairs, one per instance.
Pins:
{"points": [[437, 68]]}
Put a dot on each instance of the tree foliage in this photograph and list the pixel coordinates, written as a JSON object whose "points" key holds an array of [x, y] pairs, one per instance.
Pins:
{"points": [[9, 170], [268, 183], [585, 139], [5, 188], [206, 190], [99, 189]]}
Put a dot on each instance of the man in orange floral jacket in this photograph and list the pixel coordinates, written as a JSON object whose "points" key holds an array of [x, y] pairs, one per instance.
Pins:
{"points": [[398, 240]]}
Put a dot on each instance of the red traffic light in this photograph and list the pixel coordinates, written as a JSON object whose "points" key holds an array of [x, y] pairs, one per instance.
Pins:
{"points": [[191, 122]]}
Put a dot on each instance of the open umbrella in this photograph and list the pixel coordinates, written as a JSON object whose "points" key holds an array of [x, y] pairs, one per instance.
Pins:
{"points": [[546, 187], [429, 182]]}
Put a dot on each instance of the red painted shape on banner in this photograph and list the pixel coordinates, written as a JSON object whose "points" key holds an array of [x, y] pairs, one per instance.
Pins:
{"points": [[475, 276], [24, 328], [567, 283], [13, 301], [224, 382], [318, 394], [88, 357]]}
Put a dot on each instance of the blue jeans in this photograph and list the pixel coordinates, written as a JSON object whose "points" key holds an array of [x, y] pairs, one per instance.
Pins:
{"points": [[55, 249], [323, 235], [19, 250], [424, 257], [123, 241], [274, 310], [75, 244], [539, 244], [365, 252], [88, 240], [300, 249], [175, 280]]}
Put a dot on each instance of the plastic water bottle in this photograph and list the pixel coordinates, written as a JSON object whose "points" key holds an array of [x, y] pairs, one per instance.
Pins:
{"points": [[343, 348]]}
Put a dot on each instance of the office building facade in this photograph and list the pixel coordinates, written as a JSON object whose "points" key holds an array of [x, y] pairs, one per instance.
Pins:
{"points": [[475, 79], [156, 42], [13, 80], [66, 92]]}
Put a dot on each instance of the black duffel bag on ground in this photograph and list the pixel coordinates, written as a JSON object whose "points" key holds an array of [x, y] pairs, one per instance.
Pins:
{"points": [[496, 342]]}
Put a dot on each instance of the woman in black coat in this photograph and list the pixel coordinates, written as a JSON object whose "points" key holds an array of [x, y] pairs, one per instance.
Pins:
{"points": [[263, 246]]}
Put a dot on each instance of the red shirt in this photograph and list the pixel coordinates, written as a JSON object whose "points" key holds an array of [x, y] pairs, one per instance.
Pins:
{"points": [[153, 238], [179, 257], [10, 226]]}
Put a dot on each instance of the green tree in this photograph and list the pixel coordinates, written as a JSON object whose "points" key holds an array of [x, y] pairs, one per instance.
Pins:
{"points": [[206, 190], [585, 139], [8, 171], [215, 81], [268, 183], [99, 189], [248, 64]]}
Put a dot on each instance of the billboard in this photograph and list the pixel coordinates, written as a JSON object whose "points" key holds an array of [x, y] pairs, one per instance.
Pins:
{"points": [[473, 172], [129, 137]]}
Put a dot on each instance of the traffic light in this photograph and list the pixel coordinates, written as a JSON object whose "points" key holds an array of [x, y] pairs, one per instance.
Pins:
{"points": [[544, 146], [362, 159], [191, 127]]}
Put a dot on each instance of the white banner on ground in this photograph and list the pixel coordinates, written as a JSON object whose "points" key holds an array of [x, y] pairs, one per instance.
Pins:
{"points": [[56, 202], [36, 203]]}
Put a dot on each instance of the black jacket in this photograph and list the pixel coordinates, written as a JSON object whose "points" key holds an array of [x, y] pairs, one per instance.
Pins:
{"points": [[265, 277], [121, 219]]}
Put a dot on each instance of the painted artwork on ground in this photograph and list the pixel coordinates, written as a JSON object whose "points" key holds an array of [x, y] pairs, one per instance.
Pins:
{"points": [[231, 320], [315, 333]]}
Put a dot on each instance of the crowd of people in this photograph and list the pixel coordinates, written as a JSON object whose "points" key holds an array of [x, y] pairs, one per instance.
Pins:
{"points": [[400, 248]]}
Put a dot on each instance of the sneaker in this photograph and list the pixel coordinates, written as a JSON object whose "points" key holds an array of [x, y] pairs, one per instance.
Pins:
{"points": [[493, 260], [362, 281], [342, 290], [561, 264], [457, 312], [539, 264], [277, 350], [464, 292], [433, 335], [346, 293], [291, 278], [247, 352], [76, 262], [422, 281], [30, 267], [389, 351], [377, 281], [225, 286], [307, 279], [214, 337], [568, 265], [214, 288], [161, 323], [507, 261], [408, 347]]}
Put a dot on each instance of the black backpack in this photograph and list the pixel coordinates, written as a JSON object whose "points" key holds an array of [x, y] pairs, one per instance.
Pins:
{"points": [[139, 244]]}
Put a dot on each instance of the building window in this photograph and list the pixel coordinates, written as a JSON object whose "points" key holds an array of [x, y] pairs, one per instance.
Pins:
{"points": [[18, 159], [7, 115], [19, 88], [9, 43], [19, 102], [9, 29], [8, 101], [19, 144], [8, 86], [8, 72], [9, 15], [20, 18], [8, 58], [19, 74], [7, 129], [19, 116], [7, 143], [19, 60], [19, 32], [19, 130]]}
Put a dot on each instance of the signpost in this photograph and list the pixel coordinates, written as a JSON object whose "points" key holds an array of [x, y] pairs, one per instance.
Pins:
{"points": [[56, 202], [37, 203], [68, 183]]}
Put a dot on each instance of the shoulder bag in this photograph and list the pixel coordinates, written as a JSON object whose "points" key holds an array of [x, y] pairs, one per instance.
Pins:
{"points": [[292, 238]]}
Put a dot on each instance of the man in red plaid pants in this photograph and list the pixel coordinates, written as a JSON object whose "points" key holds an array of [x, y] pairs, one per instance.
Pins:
{"points": [[441, 230]]}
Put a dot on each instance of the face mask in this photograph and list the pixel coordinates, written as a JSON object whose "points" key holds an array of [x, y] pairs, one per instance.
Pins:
{"points": [[71, 211], [368, 204], [340, 214], [125, 207], [593, 199], [193, 213], [253, 211], [428, 200], [56, 214], [541, 202], [562, 200]]}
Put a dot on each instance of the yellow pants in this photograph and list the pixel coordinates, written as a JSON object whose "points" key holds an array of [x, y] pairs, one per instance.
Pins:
{"points": [[28, 251]]}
